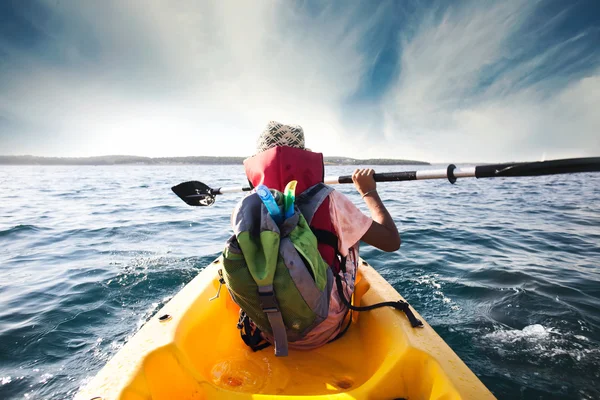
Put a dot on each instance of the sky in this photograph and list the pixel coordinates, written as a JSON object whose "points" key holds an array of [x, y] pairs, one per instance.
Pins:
{"points": [[438, 81]]}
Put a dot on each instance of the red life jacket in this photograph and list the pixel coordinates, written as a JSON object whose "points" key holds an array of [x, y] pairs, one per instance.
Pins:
{"points": [[277, 166]]}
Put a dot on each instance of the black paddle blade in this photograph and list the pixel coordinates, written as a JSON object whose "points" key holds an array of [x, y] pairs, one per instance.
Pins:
{"points": [[194, 193], [551, 167]]}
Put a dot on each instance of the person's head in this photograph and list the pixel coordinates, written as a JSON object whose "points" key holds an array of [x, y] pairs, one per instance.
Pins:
{"points": [[277, 134]]}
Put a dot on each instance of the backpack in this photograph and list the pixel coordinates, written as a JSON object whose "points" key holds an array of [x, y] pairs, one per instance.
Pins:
{"points": [[275, 272], [277, 276]]}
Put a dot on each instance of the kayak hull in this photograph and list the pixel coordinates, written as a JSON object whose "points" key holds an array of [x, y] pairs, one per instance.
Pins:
{"points": [[192, 350]]}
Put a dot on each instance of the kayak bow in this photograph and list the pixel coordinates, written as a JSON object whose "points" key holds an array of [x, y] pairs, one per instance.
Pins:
{"points": [[192, 350]]}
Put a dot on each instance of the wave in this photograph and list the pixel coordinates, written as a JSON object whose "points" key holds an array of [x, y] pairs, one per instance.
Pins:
{"points": [[22, 229]]}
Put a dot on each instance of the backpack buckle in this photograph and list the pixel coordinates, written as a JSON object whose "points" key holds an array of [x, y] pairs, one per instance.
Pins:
{"points": [[268, 302]]}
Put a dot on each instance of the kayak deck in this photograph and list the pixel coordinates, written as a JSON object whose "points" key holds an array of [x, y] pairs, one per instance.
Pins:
{"points": [[197, 353]]}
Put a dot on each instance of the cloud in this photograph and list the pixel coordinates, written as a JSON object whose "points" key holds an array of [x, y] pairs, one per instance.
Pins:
{"points": [[182, 78], [474, 86], [475, 81]]}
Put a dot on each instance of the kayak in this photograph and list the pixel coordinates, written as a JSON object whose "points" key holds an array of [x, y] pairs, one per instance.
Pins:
{"points": [[191, 349]]}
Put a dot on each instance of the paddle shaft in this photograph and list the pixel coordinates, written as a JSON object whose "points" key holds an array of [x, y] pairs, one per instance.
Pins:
{"points": [[409, 175], [379, 177], [565, 166]]}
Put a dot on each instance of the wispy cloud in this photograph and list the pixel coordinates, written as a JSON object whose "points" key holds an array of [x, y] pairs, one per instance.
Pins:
{"points": [[475, 86], [471, 81]]}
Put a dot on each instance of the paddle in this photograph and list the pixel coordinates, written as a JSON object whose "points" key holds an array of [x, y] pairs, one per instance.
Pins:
{"points": [[197, 193]]}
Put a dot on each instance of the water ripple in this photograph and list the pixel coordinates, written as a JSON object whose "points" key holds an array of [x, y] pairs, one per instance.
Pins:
{"points": [[507, 270]]}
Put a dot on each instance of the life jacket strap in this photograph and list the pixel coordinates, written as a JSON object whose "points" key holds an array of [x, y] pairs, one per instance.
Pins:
{"points": [[326, 237]]}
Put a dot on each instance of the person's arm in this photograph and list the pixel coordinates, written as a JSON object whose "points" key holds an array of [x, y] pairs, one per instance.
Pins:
{"points": [[382, 233]]}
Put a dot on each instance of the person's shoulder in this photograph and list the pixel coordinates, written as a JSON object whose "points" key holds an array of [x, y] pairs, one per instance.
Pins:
{"points": [[337, 195], [341, 201]]}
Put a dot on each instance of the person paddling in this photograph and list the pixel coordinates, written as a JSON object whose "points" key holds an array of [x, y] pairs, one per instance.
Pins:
{"points": [[282, 157]]}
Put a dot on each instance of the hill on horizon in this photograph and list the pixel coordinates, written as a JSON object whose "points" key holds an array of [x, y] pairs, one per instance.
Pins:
{"points": [[199, 160]]}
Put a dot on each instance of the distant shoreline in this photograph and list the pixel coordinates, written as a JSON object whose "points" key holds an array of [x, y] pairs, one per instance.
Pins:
{"points": [[193, 160]]}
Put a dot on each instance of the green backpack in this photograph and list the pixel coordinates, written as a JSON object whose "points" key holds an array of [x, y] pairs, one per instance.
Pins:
{"points": [[275, 273]]}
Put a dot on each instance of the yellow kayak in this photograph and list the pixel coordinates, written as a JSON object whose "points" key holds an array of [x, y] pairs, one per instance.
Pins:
{"points": [[192, 350]]}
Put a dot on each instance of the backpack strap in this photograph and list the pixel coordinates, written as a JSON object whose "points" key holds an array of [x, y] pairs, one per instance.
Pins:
{"points": [[308, 202], [270, 307], [311, 199], [398, 305]]}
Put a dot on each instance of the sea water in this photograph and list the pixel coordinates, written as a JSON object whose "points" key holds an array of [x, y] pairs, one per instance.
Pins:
{"points": [[506, 270]]}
